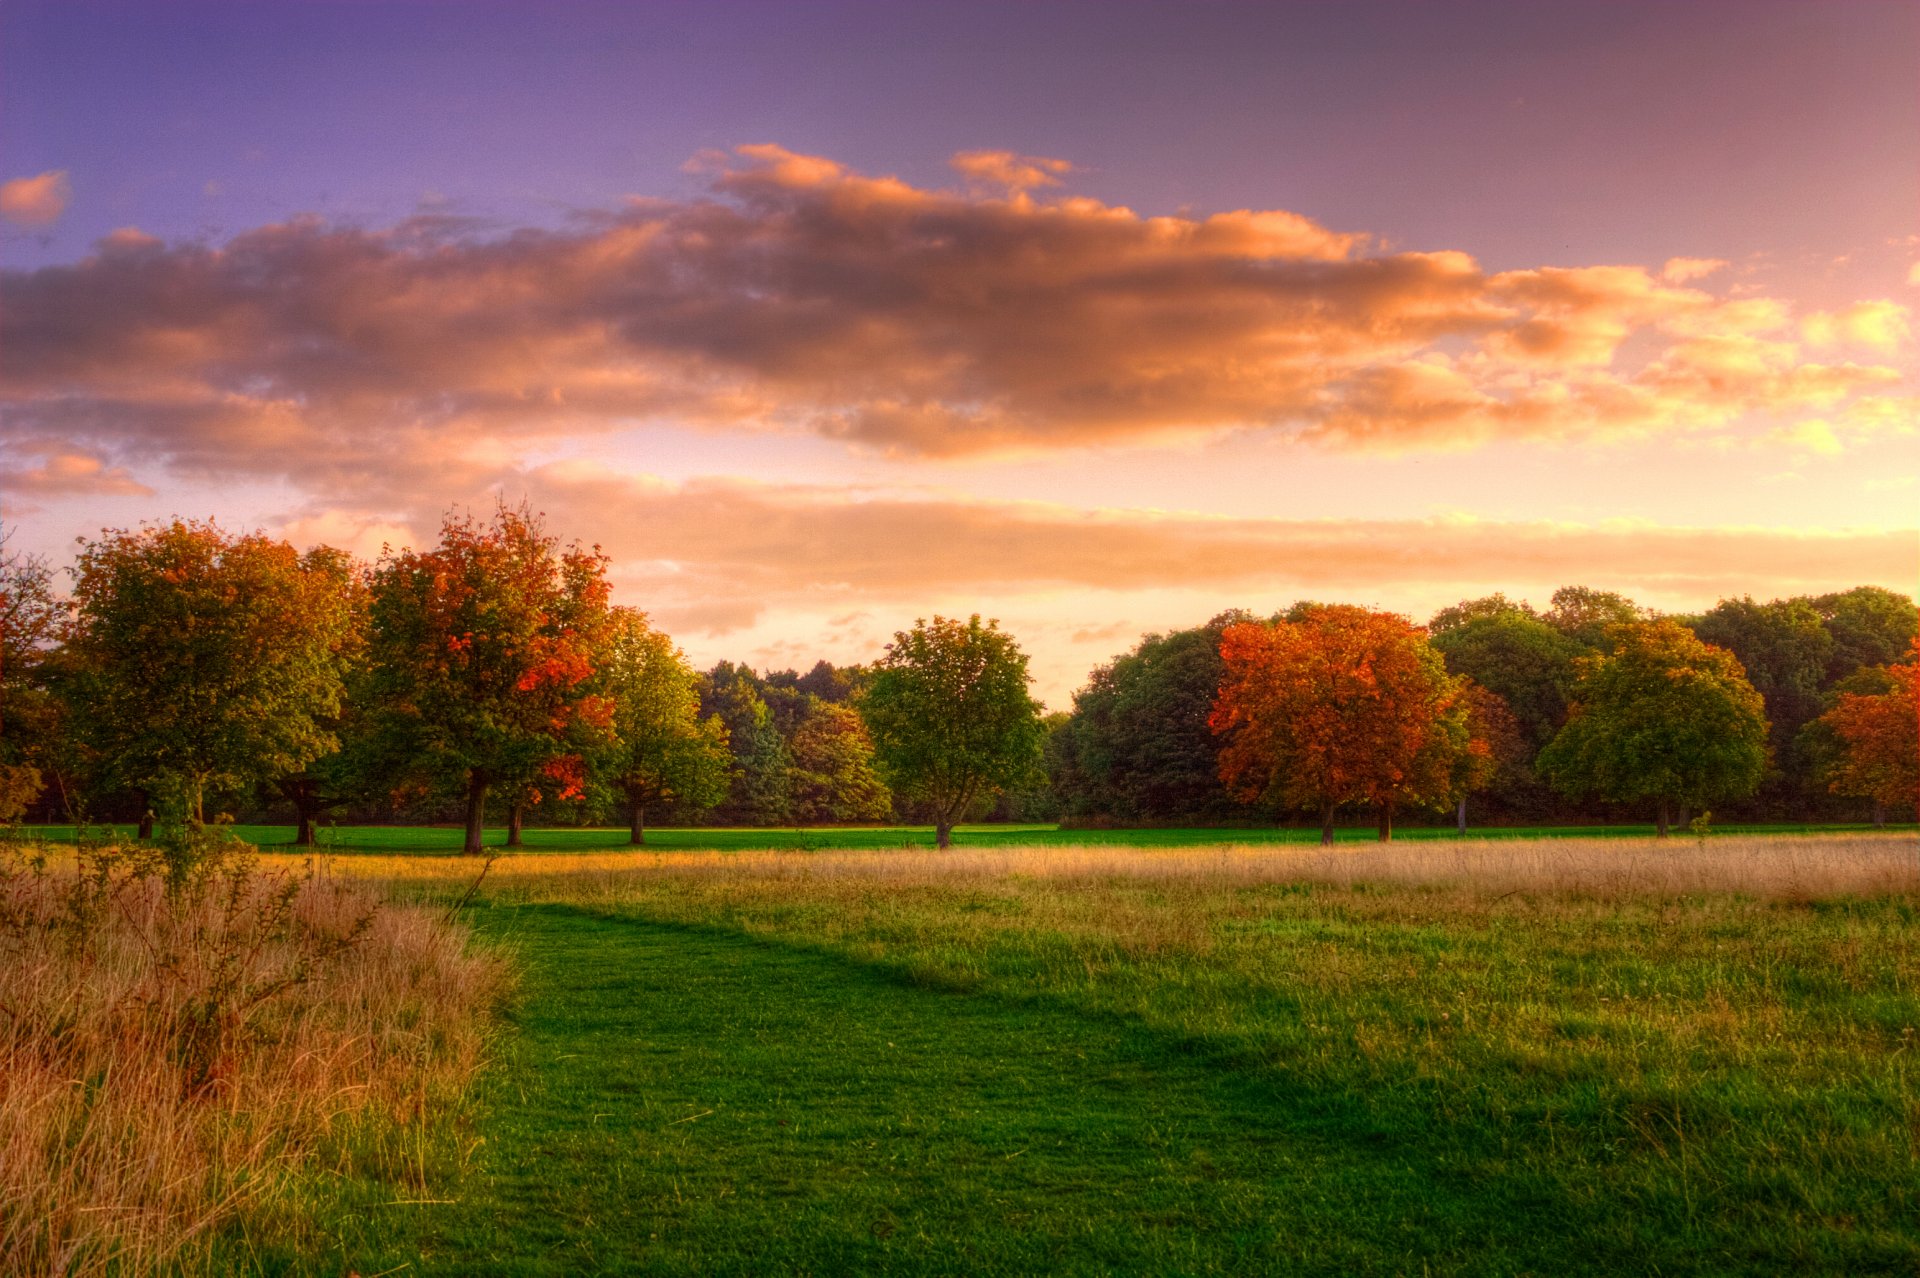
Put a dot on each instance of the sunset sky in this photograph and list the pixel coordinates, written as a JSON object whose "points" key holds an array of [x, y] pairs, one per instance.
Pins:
{"points": [[1099, 319]]}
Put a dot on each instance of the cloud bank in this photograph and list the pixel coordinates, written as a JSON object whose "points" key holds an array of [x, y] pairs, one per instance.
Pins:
{"points": [[798, 295]]}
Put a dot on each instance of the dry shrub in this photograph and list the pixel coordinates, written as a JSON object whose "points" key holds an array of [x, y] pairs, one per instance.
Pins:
{"points": [[178, 1035]]}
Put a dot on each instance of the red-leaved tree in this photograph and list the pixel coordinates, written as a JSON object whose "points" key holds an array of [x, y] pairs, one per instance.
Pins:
{"points": [[482, 654], [1880, 736], [1337, 705]]}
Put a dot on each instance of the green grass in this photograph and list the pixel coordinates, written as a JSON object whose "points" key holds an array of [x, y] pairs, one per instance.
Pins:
{"points": [[774, 1070], [389, 839]]}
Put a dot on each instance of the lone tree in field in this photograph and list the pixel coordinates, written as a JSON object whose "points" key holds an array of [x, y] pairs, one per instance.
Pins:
{"points": [[482, 660], [951, 717], [662, 751], [1665, 718], [1880, 741], [208, 659], [1335, 705]]}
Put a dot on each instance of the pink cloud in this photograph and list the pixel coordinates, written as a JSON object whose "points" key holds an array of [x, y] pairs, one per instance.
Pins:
{"points": [[36, 201]]}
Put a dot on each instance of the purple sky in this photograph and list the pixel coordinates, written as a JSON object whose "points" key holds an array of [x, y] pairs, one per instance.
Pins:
{"points": [[1779, 140]]}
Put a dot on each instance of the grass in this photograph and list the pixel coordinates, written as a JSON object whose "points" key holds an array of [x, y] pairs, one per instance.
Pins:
{"points": [[430, 840], [180, 1048], [1550, 1057]]}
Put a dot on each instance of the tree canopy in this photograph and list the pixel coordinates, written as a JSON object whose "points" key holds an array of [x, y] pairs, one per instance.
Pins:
{"points": [[662, 752], [951, 717], [1334, 705], [1665, 718], [1880, 739]]}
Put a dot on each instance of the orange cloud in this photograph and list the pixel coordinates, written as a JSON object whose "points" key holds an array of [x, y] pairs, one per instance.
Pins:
{"points": [[799, 295], [67, 472], [36, 201]]}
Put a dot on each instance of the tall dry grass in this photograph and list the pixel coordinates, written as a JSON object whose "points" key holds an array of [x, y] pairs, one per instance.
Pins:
{"points": [[177, 1040]]}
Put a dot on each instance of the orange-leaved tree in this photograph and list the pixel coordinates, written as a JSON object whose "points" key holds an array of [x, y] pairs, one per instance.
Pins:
{"points": [[1335, 705], [1880, 739], [482, 661]]}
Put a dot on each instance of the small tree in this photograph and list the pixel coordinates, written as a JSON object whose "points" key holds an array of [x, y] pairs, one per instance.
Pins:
{"points": [[1336, 705], [482, 661], [662, 750], [31, 623], [1664, 718], [207, 659], [1880, 741], [951, 717]]}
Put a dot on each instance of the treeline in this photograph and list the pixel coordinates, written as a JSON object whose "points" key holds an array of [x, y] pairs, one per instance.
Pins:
{"points": [[1138, 745], [490, 679]]}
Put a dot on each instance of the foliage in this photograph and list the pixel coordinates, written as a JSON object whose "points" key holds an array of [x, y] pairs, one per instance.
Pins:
{"points": [[1783, 646], [1869, 625], [758, 791], [1487, 608], [1587, 616], [1525, 661], [1665, 718], [1880, 739], [951, 717], [1139, 743], [832, 775], [206, 658], [1337, 705], [482, 652], [31, 625], [663, 752]]}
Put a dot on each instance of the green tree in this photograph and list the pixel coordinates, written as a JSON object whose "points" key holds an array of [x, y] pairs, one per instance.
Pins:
{"points": [[1785, 648], [662, 752], [482, 661], [832, 776], [1525, 661], [758, 792], [207, 659], [1869, 626], [1587, 616], [1486, 608], [1139, 734], [1664, 718], [951, 717]]}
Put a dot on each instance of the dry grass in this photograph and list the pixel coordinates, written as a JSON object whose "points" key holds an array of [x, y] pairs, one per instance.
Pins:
{"points": [[175, 1047], [1768, 867]]}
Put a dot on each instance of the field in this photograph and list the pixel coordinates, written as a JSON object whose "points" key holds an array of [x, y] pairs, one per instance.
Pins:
{"points": [[1576, 1056]]}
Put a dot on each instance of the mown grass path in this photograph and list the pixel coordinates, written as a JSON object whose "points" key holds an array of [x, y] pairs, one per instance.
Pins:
{"points": [[692, 1100]]}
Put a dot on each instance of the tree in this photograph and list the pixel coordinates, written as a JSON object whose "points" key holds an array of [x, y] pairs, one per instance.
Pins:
{"points": [[1142, 747], [1334, 705], [207, 659], [1525, 661], [1664, 718], [1487, 608], [951, 717], [1869, 626], [482, 655], [1880, 740], [662, 751], [832, 776], [1497, 754], [1784, 647], [1587, 616], [31, 622], [757, 793]]}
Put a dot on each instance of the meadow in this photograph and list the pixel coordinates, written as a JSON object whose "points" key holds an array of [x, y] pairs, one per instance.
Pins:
{"points": [[1514, 1056]]}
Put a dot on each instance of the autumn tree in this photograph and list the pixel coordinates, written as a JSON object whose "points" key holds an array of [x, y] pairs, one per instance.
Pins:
{"points": [[1879, 735], [1334, 705], [662, 752], [951, 717], [482, 660], [207, 659], [1665, 718], [832, 777]]}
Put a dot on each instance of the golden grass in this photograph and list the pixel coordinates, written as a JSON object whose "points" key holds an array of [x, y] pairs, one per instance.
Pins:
{"points": [[171, 1053], [1764, 866]]}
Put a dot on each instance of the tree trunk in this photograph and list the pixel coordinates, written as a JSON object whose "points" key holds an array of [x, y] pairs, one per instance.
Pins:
{"points": [[1879, 814], [476, 811], [942, 832], [1386, 823], [1460, 816], [199, 801], [638, 815], [1660, 829], [1686, 815], [303, 836], [513, 825], [1326, 825], [146, 826]]}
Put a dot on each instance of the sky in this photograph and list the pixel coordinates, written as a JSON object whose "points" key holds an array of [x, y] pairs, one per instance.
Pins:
{"points": [[1099, 319]]}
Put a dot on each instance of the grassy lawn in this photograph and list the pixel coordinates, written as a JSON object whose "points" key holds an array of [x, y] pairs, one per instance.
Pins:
{"points": [[1191, 1063], [430, 840]]}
